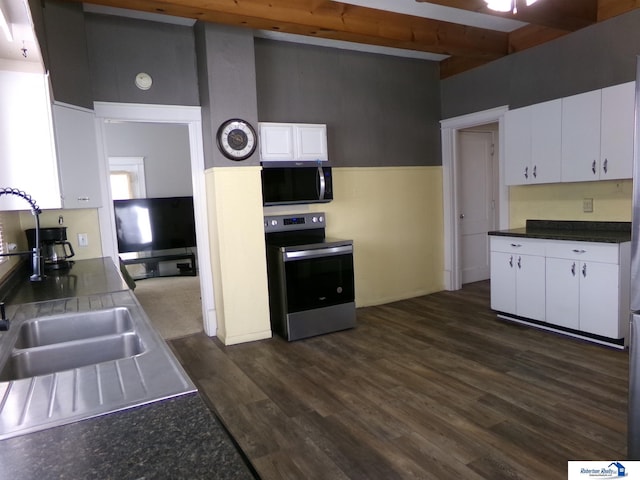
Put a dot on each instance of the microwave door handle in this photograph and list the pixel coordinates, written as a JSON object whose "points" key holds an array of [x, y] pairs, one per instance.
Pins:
{"points": [[322, 183]]}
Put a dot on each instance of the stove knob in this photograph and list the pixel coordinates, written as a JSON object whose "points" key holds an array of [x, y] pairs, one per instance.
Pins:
{"points": [[274, 223], [321, 219], [314, 219]]}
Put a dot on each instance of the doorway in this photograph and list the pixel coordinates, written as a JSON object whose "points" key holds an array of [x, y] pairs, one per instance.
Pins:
{"points": [[450, 131], [162, 114], [478, 193]]}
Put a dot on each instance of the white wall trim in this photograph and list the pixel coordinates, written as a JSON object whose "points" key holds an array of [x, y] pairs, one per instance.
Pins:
{"points": [[191, 116], [449, 134]]}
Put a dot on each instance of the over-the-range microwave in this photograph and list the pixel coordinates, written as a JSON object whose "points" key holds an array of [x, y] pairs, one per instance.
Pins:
{"points": [[296, 182]]}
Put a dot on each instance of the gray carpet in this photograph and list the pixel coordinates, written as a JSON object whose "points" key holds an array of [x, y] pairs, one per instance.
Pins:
{"points": [[172, 304]]}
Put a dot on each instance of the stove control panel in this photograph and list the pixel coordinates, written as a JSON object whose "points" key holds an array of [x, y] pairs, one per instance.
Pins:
{"points": [[297, 221]]}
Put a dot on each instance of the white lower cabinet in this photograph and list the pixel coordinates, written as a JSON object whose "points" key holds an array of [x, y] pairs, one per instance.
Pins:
{"points": [[585, 286], [517, 278]]}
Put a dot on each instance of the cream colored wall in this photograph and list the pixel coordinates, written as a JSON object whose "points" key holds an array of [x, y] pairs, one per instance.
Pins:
{"points": [[238, 256], [76, 221], [563, 201], [395, 217], [12, 233]]}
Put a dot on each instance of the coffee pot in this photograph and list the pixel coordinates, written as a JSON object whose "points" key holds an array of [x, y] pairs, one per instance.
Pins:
{"points": [[56, 250]]}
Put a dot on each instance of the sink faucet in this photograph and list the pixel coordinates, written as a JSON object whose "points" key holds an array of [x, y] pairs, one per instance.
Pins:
{"points": [[36, 254]]}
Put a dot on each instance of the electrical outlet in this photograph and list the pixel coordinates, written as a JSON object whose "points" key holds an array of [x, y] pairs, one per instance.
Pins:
{"points": [[587, 205], [83, 240]]}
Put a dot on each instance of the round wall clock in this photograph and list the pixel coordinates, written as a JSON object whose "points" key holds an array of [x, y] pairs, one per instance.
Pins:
{"points": [[236, 139]]}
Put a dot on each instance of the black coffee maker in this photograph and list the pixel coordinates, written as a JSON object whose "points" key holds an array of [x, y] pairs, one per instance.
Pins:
{"points": [[56, 251]]}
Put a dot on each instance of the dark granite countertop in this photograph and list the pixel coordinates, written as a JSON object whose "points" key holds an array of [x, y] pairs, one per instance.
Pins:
{"points": [[85, 277], [578, 231], [175, 438]]}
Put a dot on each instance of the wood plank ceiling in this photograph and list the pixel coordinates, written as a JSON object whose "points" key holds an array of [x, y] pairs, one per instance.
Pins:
{"points": [[466, 46]]}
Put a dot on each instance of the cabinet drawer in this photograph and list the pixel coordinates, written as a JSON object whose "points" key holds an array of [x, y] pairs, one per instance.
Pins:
{"points": [[524, 246], [585, 251]]}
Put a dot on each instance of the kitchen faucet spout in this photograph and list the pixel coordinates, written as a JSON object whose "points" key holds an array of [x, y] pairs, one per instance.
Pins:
{"points": [[36, 253]]}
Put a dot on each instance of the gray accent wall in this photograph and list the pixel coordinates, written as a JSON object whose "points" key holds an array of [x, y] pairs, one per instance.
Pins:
{"points": [[61, 34], [379, 110], [120, 48], [227, 78], [598, 56]]}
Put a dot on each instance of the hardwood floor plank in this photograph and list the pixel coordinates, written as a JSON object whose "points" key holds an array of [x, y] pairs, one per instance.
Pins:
{"points": [[430, 387]]}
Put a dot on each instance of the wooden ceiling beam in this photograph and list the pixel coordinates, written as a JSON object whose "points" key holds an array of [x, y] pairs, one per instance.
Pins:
{"points": [[467, 47], [337, 21]]}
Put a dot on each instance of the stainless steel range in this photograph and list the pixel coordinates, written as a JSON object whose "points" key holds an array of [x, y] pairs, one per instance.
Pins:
{"points": [[311, 287]]}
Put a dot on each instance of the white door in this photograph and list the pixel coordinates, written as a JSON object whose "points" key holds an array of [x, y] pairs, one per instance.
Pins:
{"points": [[503, 282], [477, 207], [530, 286], [563, 292], [599, 287]]}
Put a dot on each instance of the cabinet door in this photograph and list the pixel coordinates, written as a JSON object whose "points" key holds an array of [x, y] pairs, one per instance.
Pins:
{"points": [[546, 142], [616, 155], [311, 142], [599, 296], [517, 143], [76, 147], [276, 141], [581, 137], [530, 286], [563, 292], [503, 282], [27, 155]]}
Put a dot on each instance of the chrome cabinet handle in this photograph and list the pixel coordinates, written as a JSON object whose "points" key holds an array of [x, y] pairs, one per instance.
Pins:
{"points": [[575, 250], [511, 261], [573, 269], [535, 168], [516, 245], [584, 269], [526, 172], [519, 262], [605, 165], [593, 167]]}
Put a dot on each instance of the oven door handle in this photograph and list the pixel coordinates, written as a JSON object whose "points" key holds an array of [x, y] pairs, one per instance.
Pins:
{"points": [[317, 253]]}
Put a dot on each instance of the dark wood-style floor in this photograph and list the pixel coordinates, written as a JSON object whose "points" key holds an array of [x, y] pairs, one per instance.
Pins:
{"points": [[432, 387]]}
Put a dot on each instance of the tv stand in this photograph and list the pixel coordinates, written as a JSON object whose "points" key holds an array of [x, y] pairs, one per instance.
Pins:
{"points": [[152, 261]]}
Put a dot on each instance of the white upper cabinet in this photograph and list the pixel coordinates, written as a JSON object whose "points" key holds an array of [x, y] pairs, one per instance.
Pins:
{"points": [[27, 156], [533, 144], [597, 134], [616, 135], [293, 142], [76, 148]]}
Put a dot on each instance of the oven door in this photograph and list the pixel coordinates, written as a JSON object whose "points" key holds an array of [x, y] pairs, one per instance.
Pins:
{"points": [[318, 277]]}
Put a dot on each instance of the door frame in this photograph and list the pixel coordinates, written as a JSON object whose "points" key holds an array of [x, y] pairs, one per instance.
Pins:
{"points": [[106, 112], [451, 196]]}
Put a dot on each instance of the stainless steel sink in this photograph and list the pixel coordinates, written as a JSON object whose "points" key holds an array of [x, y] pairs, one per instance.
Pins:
{"points": [[30, 362], [77, 358], [67, 327]]}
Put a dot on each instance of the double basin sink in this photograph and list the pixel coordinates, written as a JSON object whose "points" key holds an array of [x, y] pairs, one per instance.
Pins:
{"points": [[72, 359]]}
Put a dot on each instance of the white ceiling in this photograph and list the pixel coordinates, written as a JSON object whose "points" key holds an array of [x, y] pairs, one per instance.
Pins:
{"points": [[22, 53]]}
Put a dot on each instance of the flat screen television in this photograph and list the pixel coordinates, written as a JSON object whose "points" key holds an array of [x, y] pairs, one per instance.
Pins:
{"points": [[144, 224]]}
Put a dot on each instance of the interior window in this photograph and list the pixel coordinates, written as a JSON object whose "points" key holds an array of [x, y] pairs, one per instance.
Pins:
{"points": [[126, 176]]}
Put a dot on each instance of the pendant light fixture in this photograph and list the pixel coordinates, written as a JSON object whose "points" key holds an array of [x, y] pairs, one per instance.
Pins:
{"points": [[506, 5]]}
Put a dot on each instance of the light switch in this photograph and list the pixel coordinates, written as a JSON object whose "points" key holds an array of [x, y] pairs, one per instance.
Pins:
{"points": [[587, 205], [83, 240]]}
